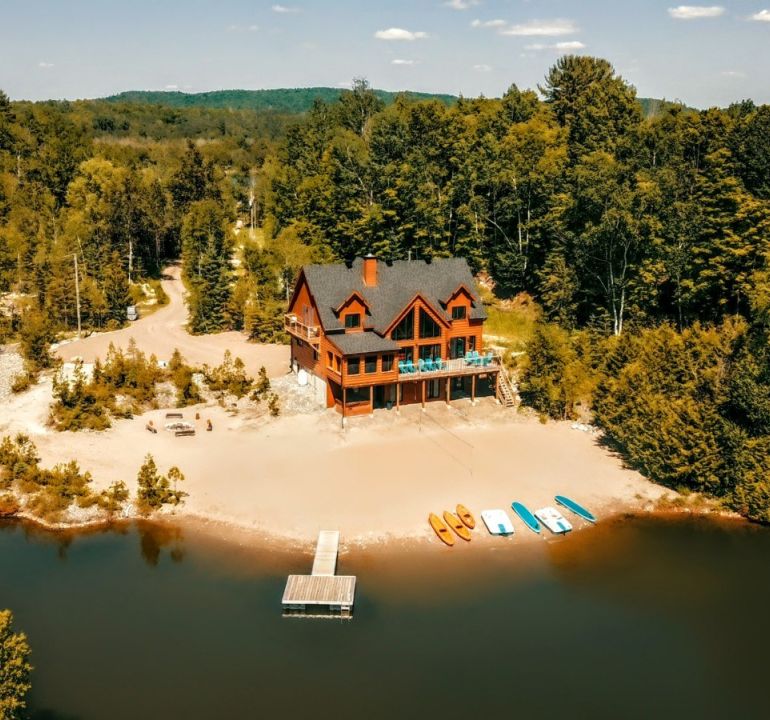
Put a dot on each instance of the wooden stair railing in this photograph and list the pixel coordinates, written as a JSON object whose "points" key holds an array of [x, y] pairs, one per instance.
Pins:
{"points": [[504, 388]]}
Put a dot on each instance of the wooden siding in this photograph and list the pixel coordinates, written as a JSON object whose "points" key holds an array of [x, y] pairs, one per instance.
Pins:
{"points": [[303, 306], [353, 306]]}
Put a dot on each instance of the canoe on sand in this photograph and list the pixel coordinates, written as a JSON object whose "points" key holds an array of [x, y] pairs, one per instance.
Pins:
{"points": [[466, 516], [441, 530], [456, 524]]}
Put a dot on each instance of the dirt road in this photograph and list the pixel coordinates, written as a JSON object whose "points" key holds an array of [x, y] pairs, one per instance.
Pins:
{"points": [[164, 330]]}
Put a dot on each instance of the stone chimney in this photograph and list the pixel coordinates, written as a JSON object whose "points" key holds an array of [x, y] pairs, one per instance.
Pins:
{"points": [[370, 271]]}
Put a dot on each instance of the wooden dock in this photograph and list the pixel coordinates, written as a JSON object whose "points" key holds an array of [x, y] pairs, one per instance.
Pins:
{"points": [[323, 592]]}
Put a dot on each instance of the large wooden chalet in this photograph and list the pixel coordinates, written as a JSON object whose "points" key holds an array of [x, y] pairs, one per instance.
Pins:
{"points": [[373, 334]]}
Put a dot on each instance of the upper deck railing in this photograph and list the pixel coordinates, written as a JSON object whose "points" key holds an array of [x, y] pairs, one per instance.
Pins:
{"points": [[308, 333], [450, 368]]}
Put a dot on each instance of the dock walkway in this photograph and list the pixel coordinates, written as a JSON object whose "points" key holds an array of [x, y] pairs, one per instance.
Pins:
{"points": [[322, 592]]}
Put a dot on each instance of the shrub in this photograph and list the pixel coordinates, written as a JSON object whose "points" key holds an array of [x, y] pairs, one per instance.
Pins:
{"points": [[273, 405], [9, 506], [229, 378], [181, 374], [154, 490], [50, 492], [35, 337], [22, 382], [262, 387]]}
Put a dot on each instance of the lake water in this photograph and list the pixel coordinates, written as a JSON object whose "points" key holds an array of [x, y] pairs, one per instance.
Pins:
{"points": [[635, 618]]}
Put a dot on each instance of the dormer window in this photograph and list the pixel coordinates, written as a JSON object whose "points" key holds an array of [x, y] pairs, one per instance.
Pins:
{"points": [[459, 312], [352, 321]]}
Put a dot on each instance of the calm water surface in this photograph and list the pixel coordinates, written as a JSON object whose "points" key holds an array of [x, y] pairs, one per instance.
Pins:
{"points": [[636, 618]]}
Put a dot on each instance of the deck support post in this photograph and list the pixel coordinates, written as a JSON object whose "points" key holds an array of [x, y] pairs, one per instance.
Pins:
{"points": [[371, 397], [344, 402], [398, 397], [448, 392], [422, 383], [473, 389]]}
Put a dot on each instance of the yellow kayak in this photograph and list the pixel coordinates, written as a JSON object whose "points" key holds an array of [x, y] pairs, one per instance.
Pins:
{"points": [[456, 524], [465, 515], [441, 530]]}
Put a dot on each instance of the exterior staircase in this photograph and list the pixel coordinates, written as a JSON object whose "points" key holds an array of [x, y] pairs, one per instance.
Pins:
{"points": [[504, 391]]}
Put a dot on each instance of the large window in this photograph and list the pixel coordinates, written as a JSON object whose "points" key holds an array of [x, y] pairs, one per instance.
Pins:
{"points": [[352, 320], [370, 365], [354, 366], [387, 363], [429, 328], [330, 360], [458, 312], [472, 342], [405, 329], [430, 351], [354, 396]]}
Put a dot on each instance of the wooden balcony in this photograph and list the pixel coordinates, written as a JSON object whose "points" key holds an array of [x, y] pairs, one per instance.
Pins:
{"points": [[453, 368], [309, 333]]}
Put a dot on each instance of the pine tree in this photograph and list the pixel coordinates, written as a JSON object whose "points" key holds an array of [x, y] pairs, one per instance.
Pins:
{"points": [[15, 669]]}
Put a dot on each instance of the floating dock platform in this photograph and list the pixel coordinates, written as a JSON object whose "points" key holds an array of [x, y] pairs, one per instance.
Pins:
{"points": [[323, 593]]}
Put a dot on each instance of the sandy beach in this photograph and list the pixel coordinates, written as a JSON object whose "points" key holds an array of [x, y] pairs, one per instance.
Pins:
{"points": [[376, 480]]}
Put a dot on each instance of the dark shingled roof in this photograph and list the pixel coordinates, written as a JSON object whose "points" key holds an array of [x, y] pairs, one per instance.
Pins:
{"points": [[397, 284], [361, 342]]}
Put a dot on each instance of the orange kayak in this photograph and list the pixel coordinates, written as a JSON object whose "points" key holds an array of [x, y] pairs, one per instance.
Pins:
{"points": [[441, 530], [465, 515], [456, 524]]}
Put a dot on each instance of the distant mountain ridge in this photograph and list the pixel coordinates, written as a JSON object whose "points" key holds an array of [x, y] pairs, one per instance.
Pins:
{"points": [[300, 100], [282, 100]]}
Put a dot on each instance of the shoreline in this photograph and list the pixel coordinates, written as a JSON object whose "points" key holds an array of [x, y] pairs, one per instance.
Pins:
{"points": [[254, 538]]}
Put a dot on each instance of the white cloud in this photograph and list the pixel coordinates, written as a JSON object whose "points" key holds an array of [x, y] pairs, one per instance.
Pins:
{"points": [[253, 28], [171, 87], [482, 67], [44, 65], [401, 61], [461, 4], [761, 16], [696, 12], [733, 74], [399, 34], [488, 23], [560, 46], [542, 28], [284, 9]]}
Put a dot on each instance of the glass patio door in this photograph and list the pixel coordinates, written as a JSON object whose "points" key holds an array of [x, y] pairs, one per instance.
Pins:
{"points": [[457, 348]]}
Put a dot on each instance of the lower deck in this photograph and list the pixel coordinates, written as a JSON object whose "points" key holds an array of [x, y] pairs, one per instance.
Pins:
{"points": [[409, 390]]}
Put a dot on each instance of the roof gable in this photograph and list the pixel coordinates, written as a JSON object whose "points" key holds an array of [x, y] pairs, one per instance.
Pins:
{"points": [[437, 315], [397, 286], [354, 295]]}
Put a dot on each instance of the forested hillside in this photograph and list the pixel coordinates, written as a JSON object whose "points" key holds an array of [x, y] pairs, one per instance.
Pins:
{"points": [[283, 100], [292, 101], [644, 240]]}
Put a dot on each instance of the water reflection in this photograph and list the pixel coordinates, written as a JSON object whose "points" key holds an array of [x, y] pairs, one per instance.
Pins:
{"points": [[153, 539]]}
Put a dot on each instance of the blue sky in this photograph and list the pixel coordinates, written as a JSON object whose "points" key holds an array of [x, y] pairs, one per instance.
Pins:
{"points": [[701, 54]]}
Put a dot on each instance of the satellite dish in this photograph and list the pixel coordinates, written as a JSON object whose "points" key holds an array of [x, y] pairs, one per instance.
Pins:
{"points": [[302, 377]]}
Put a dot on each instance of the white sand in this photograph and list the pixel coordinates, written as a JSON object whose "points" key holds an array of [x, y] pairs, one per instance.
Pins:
{"points": [[375, 481]]}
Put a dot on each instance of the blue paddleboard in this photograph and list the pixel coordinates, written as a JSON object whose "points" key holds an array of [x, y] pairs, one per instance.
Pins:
{"points": [[526, 516], [575, 508]]}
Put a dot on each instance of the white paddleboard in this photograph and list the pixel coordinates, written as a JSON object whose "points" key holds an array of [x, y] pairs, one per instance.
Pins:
{"points": [[553, 520], [497, 522]]}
